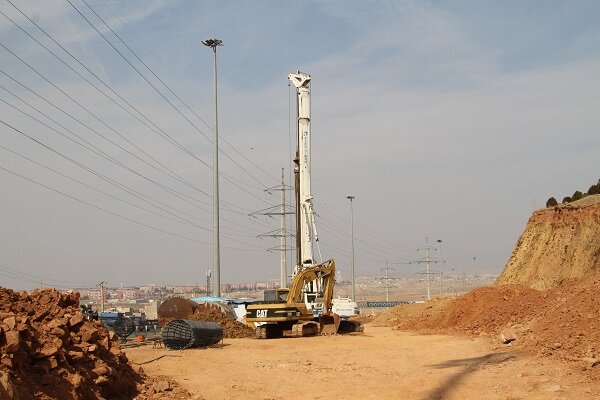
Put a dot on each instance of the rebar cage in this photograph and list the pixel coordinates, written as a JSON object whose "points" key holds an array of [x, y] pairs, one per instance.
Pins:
{"points": [[186, 334]]}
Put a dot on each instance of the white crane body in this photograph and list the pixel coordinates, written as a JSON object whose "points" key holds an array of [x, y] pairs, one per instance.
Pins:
{"points": [[306, 230]]}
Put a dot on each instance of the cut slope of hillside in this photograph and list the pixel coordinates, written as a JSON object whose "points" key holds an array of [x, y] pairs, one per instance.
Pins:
{"points": [[558, 244]]}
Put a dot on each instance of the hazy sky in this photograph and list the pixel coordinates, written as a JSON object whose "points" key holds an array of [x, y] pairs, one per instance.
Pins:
{"points": [[447, 120]]}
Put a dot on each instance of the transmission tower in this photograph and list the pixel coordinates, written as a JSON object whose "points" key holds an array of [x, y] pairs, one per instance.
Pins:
{"points": [[427, 260], [282, 233], [387, 279]]}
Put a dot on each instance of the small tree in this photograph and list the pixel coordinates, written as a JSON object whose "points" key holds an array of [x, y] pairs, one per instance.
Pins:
{"points": [[594, 189], [566, 200], [551, 202], [577, 196]]}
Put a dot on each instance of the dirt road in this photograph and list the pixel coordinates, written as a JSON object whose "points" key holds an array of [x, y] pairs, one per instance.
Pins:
{"points": [[380, 364]]}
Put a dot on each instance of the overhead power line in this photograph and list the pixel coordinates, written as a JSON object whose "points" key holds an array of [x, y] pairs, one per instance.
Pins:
{"points": [[104, 155], [186, 198], [94, 149], [120, 186], [181, 100], [174, 175], [155, 128], [102, 209], [162, 95], [26, 277], [99, 153], [178, 219]]}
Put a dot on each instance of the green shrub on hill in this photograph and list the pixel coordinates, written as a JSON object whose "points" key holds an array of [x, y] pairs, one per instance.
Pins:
{"points": [[551, 202], [578, 195], [594, 189]]}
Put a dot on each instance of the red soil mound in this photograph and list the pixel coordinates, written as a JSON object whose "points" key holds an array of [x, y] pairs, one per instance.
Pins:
{"points": [[50, 352], [563, 322]]}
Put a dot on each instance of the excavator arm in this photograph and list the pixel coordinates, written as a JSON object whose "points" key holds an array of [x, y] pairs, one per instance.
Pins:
{"points": [[318, 279]]}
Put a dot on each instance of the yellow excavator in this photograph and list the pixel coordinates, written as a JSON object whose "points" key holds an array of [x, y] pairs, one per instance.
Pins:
{"points": [[302, 310], [305, 308]]}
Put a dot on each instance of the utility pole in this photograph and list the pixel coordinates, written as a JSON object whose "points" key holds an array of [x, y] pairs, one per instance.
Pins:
{"points": [[387, 281], [352, 238], [214, 43], [208, 276], [101, 284], [282, 232]]}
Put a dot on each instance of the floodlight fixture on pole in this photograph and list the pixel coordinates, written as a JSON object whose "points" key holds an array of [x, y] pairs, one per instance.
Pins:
{"points": [[213, 43], [352, 236]]}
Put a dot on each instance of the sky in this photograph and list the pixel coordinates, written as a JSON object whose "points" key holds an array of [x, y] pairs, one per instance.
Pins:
{"points": [[450, 123]]}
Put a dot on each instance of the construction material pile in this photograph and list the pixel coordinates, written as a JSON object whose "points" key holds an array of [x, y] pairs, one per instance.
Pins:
{"points": [[50, 352], [563, 322], [212, 313]]}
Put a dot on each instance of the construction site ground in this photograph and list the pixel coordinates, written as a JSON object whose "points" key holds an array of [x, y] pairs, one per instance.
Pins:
{"points": [[381, 363]]}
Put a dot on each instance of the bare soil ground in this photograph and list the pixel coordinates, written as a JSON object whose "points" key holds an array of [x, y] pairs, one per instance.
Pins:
{"points": [[382, 363]]}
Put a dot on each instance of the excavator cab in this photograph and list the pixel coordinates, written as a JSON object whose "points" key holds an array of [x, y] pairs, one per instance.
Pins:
{"points": [[276, 295]]}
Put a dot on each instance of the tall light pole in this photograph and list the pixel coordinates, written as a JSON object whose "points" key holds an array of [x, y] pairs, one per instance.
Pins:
{"points": [[352, 235], [439, 242], [213, 43]]}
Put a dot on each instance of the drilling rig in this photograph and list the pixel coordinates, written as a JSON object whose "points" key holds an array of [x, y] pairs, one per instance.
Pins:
{"points": [[305, 308]]}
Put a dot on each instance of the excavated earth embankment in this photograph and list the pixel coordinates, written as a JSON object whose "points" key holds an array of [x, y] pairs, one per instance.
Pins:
{"points": [[562, 322], [544, 303]]}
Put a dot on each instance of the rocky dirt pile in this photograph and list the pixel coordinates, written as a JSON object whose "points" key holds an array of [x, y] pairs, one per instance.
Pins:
{"points": [[558, 244], [563, 322], [50, 352], [159, 388], [231, 328]]}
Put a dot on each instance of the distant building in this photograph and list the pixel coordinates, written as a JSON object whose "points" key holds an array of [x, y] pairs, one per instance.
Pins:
{"points": [[128, 293]]}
